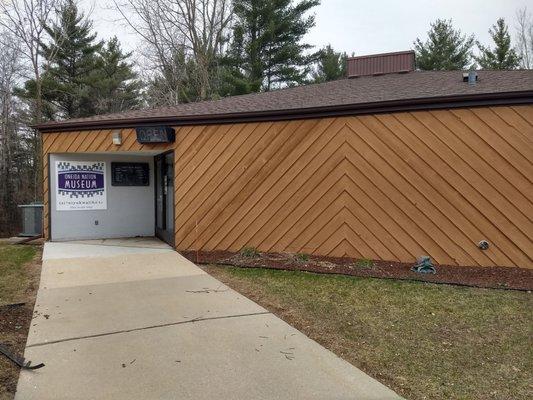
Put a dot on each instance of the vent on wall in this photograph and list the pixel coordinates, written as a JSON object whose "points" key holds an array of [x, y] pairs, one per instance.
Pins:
{"points": [[380, 64]]}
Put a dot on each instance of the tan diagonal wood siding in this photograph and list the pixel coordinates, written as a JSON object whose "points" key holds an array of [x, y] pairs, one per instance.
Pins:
{"points": [[389, 186]]}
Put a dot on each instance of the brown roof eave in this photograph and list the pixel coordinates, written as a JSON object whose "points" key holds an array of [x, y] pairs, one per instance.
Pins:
{"points": [[477, 100]]}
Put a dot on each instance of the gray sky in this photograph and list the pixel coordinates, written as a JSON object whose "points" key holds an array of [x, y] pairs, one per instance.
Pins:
{"points": [[366, 27]]}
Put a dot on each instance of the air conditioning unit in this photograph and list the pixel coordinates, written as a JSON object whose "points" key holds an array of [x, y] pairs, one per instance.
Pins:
{"points": [[32, 219]]}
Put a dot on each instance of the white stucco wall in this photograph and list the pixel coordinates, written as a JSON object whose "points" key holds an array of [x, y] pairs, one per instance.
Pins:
{"points": [[130, 209]]}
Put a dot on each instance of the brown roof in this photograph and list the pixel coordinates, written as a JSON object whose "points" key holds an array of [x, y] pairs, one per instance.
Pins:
{"points": [[414, 90]]}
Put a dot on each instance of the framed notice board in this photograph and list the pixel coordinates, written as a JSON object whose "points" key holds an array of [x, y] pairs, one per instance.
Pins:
{"points": [[130, 174]]}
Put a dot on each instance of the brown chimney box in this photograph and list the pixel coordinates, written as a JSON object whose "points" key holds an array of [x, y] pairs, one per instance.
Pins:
{"points": [[380, 64]]}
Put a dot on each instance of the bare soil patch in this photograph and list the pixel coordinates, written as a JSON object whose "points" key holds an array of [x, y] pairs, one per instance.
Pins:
{"points": [[20, 267]]}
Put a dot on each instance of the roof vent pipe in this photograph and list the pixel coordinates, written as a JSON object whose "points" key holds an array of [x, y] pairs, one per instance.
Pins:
{"points": [[472, 77]]}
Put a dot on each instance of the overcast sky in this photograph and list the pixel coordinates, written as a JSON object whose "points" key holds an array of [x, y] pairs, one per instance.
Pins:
{"points": [[366, 27]]}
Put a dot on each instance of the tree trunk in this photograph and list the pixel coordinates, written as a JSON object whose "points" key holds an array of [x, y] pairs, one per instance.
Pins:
{"points": [[37, 140]]}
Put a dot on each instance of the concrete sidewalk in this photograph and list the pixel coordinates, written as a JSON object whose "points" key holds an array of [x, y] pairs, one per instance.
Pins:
{"points": [[133, 319]]}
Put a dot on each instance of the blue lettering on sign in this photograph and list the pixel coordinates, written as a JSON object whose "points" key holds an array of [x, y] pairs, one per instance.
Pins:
{"points": [[80, 180]]}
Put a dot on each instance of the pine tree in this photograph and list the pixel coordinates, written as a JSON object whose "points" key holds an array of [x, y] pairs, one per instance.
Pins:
{"points": [[116, 87], [70, 62], [503, 56], [331, 65], [266, 51], [445, 49]]}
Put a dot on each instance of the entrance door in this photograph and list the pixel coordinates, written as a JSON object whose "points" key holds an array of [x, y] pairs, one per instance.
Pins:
{"points": [[164, 197]]}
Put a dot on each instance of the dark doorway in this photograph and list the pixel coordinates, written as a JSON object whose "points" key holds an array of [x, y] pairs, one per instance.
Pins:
{"points": [[164, 197]]}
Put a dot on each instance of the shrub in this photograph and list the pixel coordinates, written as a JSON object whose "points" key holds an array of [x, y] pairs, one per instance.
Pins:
{"points": [[249, 252], [364, 263], [301, 257]]}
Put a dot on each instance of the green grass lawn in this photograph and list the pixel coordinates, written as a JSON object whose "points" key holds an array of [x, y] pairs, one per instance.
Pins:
{"points": [[425, 341], [13, 275]]}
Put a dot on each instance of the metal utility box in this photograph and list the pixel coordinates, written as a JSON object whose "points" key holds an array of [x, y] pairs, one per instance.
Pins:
{"points": [[32, 219]]}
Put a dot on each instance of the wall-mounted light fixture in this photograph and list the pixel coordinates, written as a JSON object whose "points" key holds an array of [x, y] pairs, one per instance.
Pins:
{"points": [[117, 137]]}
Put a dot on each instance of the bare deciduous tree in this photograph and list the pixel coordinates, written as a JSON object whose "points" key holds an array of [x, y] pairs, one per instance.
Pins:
{"points": [[161, 47], [26, 20], [175, 31], [524, 30], [10, 68]]}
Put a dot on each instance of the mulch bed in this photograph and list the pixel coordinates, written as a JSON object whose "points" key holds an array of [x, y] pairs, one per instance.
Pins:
{"points": [[484, 277]]}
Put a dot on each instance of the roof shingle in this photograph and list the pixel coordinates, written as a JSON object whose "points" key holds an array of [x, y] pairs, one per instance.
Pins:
{"points": [[346, 92]]}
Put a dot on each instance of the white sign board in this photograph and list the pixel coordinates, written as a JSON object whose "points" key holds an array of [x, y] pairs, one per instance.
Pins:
{"points": [[80, 185]]}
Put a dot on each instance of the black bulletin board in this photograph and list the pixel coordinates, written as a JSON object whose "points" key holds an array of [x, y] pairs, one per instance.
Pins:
{"points": [[130, 174]]}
